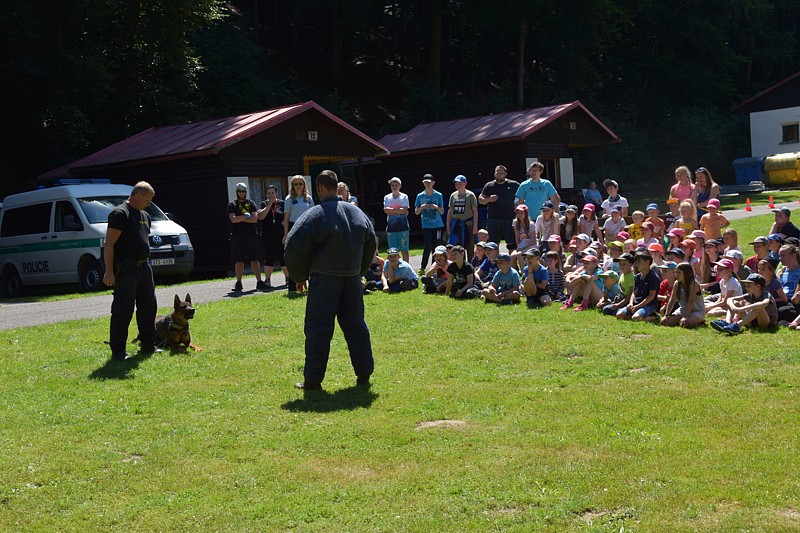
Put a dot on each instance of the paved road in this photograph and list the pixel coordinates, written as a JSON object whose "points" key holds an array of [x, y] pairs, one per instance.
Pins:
{"points": [[19, 315]]}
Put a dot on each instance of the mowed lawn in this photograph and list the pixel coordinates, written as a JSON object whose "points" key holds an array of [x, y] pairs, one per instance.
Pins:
{"points": [[480, 417]]}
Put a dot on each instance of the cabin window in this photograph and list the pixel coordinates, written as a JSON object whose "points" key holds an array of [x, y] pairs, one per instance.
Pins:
{"points": [[790, 133]]}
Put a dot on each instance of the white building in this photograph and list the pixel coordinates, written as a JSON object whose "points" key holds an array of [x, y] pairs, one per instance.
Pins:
{"points": [[774, 118]]}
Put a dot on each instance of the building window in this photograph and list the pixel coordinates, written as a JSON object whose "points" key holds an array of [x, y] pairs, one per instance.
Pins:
{"points": [[790, 133]]}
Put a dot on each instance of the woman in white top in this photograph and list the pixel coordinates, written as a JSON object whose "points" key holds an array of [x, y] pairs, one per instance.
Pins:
{"points": [[297, 202]]}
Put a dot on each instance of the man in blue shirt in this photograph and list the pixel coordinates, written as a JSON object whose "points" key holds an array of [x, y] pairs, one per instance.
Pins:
{"points": [[535, 191], [593, 196]]}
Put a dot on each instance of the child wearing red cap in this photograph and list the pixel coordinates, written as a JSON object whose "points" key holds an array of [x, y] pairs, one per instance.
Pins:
{"points": [[713, 221], [729, 287]]}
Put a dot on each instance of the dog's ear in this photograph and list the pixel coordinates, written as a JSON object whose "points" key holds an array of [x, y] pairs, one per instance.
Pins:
{"points": [[177, 301], [188, 299]]}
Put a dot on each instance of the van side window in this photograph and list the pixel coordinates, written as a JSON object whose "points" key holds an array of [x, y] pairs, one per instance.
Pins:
{"points": [[67, 217], [26, 220]]}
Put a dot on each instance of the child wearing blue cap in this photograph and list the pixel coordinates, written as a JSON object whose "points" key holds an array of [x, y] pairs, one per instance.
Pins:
{"points": [[504, 288], [397, 274]]}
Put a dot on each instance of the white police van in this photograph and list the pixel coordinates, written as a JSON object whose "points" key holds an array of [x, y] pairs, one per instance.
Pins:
{"points": [[56, 235]]}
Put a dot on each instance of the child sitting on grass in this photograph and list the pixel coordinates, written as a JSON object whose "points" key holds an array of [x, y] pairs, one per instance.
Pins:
{"points": [[488, 266], [611, 290], [766, 267], [588, 223], [524, 234], [666, 286], [504, 288], [643, 303], [588, 286], [555, 276], [674, 214], [480, 254], [435, 279], [655, 220], [635, 228], [626, 281], [613, 225], [729, 288], [534, 279], [756, 307], [685, 307], [460, 276], [398, 275], [730, 237], [687, 220]]}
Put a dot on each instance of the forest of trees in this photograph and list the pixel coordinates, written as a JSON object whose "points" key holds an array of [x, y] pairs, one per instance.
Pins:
{"points": [[664, 75]]}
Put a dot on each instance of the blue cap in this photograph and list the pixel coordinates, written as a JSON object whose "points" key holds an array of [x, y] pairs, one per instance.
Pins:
{"points": [[392, 251], [504, 257], [652, 206], [492, 246], [548, 205], [670, 265], [776, 237], [461, 178]]}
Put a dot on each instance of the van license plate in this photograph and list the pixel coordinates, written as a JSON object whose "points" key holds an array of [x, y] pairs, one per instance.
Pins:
{"points": [[164, 261]]}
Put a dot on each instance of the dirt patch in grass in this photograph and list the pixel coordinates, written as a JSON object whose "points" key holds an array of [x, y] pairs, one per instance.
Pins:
{"points": [[504, 511], [133, 458], [637, 370], [452, 424], [793, 514], [592, 516]]}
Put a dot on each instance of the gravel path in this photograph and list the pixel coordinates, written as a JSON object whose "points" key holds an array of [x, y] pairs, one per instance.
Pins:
{"points": [[24, 314]]}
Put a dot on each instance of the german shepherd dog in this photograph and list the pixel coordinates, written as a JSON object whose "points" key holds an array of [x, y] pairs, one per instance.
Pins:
{"points": [[172, 331]]}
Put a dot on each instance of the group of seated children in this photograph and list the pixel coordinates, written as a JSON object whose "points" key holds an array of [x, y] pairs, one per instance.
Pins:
{"points": [[673, 273]]}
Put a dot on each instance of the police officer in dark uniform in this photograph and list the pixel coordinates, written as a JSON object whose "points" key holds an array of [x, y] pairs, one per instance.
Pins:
{"points": [[332, 246], [127, 268]]}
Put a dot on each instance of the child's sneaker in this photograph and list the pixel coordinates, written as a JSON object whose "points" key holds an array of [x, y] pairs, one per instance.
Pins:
{"points": [[238, 287], [583, 307], [733, 329], [261, 286], [567, 305], [719, 325]]}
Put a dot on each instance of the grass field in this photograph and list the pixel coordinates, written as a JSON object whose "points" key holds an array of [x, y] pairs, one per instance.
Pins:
{"points": [[480, 418]]}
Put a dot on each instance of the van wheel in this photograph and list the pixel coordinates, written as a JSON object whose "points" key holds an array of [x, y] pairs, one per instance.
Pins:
{"points": [[12, 283], [91, 276]]}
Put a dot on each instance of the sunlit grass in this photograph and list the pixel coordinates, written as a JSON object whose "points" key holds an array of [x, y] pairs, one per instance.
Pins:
{"points": [[480, 417]]}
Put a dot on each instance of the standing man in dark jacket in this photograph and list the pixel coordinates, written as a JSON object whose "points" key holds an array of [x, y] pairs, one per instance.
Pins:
{"points": [[126, 255], [499, 197], [332, 246]]}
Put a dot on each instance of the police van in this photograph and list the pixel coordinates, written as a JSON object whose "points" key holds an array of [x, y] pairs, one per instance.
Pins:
{"points": [[56, 235]]}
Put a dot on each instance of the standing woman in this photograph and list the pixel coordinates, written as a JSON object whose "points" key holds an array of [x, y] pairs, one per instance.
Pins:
{"points": [[343, 191], [705, 189], [271, 216], [683, 189], [297, 202]]}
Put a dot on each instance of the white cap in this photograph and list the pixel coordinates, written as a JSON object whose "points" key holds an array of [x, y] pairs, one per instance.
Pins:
{"points": [[241, 187], [395, 180]]}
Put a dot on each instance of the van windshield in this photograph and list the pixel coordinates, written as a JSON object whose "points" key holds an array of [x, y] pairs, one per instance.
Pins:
{"points": [[97, 209]]}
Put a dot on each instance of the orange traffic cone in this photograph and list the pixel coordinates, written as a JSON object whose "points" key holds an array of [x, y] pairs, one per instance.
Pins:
{"points": [[771, 204], [747, 205]]}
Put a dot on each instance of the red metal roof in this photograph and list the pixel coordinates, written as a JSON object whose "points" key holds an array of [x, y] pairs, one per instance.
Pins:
{"points": [[486, 128], [199, 138]]}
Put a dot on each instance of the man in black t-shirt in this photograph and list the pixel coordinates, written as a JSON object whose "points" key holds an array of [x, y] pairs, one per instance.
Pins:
{"points": [[499, 196], [244, 237], [127, 268], [270, 214]]}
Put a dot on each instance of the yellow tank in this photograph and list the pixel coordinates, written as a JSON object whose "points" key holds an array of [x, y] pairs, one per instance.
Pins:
{"points": [[783, 169]]}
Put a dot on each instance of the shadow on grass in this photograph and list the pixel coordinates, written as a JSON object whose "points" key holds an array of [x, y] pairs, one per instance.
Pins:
{"points": [[320, 401], [113, 369]]}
